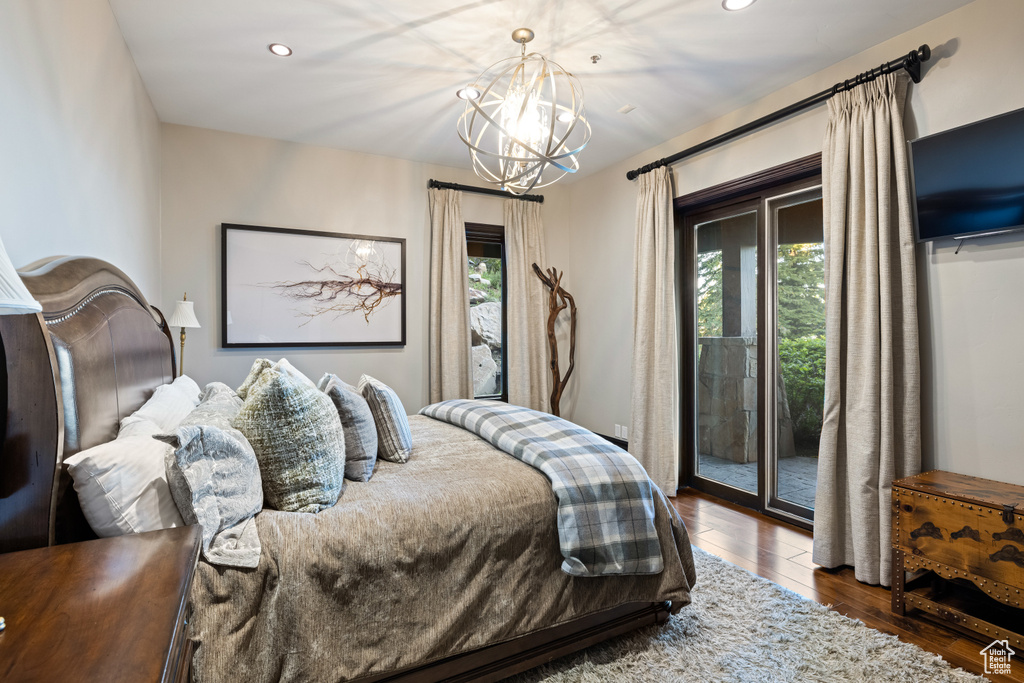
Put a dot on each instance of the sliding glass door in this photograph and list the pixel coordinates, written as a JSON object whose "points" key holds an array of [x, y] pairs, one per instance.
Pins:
{"points": [[795, 379], [752, 323], [726, 348]]}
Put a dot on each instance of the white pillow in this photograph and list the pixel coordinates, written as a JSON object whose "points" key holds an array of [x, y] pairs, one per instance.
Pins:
{"points": [[133, 426], [167, 407], [188, 385], [122, 486]]}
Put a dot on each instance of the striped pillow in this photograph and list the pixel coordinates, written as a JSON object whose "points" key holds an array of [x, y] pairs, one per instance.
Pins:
{"points": [[394, 440]]}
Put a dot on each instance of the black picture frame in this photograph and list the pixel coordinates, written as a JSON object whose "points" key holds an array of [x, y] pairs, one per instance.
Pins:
{"points": [[264, 305]]}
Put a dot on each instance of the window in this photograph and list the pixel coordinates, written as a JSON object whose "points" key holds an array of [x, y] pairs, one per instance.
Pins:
{"points": [[485, 245]]}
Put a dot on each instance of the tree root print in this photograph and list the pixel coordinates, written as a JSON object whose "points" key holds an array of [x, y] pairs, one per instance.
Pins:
{"points": [[339, 294]]}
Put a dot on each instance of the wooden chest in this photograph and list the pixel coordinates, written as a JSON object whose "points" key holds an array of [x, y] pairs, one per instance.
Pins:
{"points": [[969, 533]]}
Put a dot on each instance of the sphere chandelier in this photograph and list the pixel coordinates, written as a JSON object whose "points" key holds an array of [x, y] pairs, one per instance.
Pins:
{"points": [[524, 121]]}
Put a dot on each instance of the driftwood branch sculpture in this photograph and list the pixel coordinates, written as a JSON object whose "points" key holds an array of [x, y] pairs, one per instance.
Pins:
{"points": [[558, 299]]}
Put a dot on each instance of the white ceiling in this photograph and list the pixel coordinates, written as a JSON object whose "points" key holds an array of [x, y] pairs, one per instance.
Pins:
{"points": [[380, 77]]}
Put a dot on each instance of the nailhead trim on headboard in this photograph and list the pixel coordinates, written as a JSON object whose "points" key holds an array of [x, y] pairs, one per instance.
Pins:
{"points": [[65, 315]]}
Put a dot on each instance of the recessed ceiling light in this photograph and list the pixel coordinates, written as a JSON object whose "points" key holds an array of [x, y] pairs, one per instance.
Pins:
{"points": [[468, 93], [733, 5], [280, 50]]}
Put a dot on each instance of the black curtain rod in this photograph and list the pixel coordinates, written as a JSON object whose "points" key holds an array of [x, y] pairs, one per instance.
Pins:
{"points": [[911, 62], [485, 190]]}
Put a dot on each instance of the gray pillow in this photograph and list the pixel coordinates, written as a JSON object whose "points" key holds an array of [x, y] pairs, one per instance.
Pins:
{"points": [[394, 439], [215, 481], [298, 439], [258, 366], [218, 406], [357, 421]]}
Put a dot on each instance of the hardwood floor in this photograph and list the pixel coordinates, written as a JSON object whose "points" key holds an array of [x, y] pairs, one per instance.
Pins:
{"points": [[781, 553]]}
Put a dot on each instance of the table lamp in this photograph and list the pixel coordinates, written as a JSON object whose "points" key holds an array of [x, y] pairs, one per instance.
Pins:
{"points": [[14, 295], [183, 316]]}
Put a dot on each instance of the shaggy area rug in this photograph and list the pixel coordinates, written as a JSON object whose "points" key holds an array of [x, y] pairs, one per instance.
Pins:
{"points": [[741, 628]]}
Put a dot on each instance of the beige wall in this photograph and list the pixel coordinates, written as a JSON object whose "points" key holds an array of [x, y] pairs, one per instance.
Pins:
{"points": [[79, 140], [211, 177], [972, 319], [82, 174]]}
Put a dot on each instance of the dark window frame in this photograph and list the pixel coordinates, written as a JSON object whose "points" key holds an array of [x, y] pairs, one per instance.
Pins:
{"points": [[483, 233], [723, 199]]}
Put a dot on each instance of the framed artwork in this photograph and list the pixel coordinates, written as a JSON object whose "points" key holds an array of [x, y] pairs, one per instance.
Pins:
{"points": [[295, 288]]}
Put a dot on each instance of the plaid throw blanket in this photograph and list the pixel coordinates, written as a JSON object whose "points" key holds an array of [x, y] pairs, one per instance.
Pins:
{"points": [[605, 498]]}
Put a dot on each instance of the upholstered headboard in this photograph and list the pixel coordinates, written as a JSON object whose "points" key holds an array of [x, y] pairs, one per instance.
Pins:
{"points": [[93, 356]]}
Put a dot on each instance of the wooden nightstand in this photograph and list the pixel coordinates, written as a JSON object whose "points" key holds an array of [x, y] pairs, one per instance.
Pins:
{"points": [[109, 610], [968, 533]]}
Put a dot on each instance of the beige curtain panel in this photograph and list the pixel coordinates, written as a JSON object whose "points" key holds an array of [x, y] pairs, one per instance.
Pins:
{"points": [[451, 373], [529, 383], [654, 421], [871, 429]]}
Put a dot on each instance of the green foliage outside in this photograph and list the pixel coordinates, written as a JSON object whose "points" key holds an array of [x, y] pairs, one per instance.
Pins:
{"points": [[801, 273], [801, 306], [801, 319], [492, 274], [709, 294], [801, 293], [802, 362]]}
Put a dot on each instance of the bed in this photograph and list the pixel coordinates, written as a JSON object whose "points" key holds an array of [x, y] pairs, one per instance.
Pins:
{"points": [[442, 568]]}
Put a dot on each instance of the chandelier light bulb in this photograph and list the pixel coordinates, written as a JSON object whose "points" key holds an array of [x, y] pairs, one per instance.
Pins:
{"points": [[361, 252], [509, 123]]}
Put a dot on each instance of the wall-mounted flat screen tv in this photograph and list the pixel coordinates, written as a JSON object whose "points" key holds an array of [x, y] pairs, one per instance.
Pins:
{"points": [[969, 181]]}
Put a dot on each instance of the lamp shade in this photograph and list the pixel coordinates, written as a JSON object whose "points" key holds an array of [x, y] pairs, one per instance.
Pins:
{"points": [[14, 295], [183, 315]]}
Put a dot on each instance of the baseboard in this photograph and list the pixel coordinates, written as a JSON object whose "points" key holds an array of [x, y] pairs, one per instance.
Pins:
{"points": [[621, 443]]}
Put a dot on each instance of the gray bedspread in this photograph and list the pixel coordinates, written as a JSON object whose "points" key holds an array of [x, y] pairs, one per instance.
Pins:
{"points": [[454, 550]]}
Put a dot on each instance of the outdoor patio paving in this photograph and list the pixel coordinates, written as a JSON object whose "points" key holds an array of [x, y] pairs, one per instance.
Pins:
{"points": [[797, 476]]}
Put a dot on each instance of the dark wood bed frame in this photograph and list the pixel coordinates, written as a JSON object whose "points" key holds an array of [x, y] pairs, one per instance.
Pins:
{"points": [[93, 356]]}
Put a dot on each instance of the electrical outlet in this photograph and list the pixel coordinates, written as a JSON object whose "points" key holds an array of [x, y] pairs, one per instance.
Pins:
{"points": [[625, 433], [618, 431]]}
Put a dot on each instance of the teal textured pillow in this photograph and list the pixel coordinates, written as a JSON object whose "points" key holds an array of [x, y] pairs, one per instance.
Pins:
{"points": [[299, 442], [394, 439]]}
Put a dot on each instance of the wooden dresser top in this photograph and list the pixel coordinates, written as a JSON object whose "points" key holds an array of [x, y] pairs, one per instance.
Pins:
{"points": [[103, 610], [965, 488]]}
